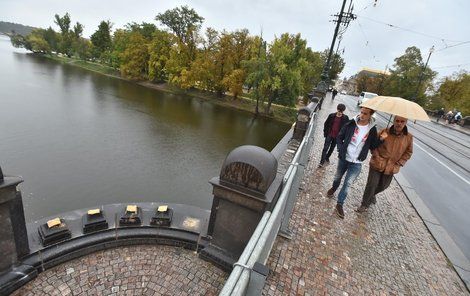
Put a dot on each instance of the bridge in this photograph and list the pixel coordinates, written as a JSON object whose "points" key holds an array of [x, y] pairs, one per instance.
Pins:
{"points": [[270, 230]]}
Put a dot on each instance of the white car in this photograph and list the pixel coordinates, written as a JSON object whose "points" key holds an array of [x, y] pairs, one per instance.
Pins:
{"points": [[364, 96]]}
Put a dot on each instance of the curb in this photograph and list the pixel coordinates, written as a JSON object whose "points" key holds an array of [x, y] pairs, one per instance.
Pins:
{"points": [[460, 263]]}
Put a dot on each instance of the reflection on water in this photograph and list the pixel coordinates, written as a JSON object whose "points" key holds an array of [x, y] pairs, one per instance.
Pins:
{"points": [[81, 139]]}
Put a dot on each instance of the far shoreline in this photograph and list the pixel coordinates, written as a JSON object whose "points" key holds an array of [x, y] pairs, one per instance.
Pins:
{"points": [[279, 113]]}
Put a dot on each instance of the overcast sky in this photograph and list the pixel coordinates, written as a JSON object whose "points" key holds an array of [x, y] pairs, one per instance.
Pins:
{"points": [[368, 42]]}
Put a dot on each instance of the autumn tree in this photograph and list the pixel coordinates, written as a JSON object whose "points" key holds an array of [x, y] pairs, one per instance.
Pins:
{"points": [[134, 58], [159, 53]]}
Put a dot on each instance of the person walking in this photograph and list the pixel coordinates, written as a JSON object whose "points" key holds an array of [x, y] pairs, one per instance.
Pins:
{"points": [[440, 114], [449, 116], [356, 138], [334, 93], [395, 149], [458, 117], [333, 124]]}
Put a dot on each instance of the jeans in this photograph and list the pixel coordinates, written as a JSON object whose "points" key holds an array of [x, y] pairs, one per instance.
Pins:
{"points": [[352, 171], [328, 148], [376, 183]]}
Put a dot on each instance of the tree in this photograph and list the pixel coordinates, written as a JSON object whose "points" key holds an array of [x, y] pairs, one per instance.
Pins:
{"points": [[77, 30], [66, 39], [145, 29], [312, 72], [203, 69], [454, 93], [63, 23], [52, 38], [257, 70], [159, 54], [405, 74], [134, 58], [180, 21], [101, 40], [185, 23]]}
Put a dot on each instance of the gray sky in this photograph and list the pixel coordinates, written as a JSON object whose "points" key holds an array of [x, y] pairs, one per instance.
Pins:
{"points": [[367, 43]]}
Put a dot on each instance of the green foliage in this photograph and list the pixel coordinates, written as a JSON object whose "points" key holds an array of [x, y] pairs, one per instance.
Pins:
{"points": [[180, 21], [77, 30], [63, 23], [405, 76], [454, 93], [120, 39], [18, 41], [219, 62], [185, 23], [159, 54], [134, 58], [52, 38], [101, 41], [145, 29]]}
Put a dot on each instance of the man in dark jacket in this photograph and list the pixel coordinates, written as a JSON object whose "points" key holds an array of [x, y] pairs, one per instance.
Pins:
{"points": [[334, 93], [354, 141], [333, 124]]}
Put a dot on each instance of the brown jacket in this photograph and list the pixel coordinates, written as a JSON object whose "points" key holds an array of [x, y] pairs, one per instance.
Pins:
{"points": [[393, 153]]}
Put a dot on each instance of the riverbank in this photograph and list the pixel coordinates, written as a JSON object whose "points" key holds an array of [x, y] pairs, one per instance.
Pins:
{"points": [[278, 112]]}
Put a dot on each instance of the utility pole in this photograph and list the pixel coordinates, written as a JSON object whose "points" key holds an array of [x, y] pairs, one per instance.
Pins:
{"points": [[342, 19], [431, 50]]}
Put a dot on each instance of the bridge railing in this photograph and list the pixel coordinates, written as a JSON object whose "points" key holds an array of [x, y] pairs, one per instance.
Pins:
{"points": [[249, 273]]}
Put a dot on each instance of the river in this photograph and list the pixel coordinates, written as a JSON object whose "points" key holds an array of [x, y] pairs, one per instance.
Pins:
{"points": [[81, 139]]}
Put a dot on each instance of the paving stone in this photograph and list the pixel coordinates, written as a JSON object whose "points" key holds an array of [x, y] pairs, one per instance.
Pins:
{"points": [[386, 251], [142, 274]]}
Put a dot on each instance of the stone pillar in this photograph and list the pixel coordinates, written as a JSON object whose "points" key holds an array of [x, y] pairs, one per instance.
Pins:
{"points": [[248, 186], [13, 235], [301, 124]]}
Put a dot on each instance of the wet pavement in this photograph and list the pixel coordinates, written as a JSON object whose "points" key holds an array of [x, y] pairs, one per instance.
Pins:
{"points": [[386, 251]]}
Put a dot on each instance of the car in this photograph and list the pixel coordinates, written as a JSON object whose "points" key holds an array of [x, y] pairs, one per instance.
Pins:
{"points": [[343, 92], [364, 97]]}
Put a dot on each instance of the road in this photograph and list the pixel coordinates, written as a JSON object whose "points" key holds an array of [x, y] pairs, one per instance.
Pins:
{"points": [[439, 171]]}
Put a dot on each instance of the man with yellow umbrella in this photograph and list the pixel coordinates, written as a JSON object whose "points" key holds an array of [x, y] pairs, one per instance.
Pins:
{"points": [[396, 145]]}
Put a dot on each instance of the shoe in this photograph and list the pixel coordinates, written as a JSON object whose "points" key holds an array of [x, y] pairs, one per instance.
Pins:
{"points": [[339, 211], [361, 209], [374, 200], [330, 193], [320, 164]]}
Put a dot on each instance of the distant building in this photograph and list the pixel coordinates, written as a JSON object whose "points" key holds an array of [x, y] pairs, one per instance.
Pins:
{"points": [[369, 72], [350, 85]]}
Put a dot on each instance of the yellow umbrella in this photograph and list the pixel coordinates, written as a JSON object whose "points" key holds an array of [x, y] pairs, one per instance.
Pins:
{"points": [[397, 106]]}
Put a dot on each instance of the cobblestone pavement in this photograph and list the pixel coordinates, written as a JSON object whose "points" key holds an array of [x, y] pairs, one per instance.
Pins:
{"points": [[386, 251], [134, 270]]}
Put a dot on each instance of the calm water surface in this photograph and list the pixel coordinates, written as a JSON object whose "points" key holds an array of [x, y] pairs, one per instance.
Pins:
{"points": [[81, 139]]}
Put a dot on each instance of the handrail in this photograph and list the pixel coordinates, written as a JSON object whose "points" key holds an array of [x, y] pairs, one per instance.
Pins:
{"points": [[260, 244]]}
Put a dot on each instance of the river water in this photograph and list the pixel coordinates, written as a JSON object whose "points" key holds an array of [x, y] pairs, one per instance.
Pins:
{"points": [[81, 139]]}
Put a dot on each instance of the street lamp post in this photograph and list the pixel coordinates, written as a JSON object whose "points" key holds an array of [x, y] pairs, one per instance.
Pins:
{"points": [[431, 50]]}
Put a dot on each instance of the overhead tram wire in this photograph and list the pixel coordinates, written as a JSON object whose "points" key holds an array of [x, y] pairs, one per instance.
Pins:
{"points": [[367, 41], [412, 31], [451, 66], [450, 46]]}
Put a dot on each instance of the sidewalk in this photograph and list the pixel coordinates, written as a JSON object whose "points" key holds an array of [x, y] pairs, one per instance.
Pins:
{"points": [[462, 129], [386, 251]]}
